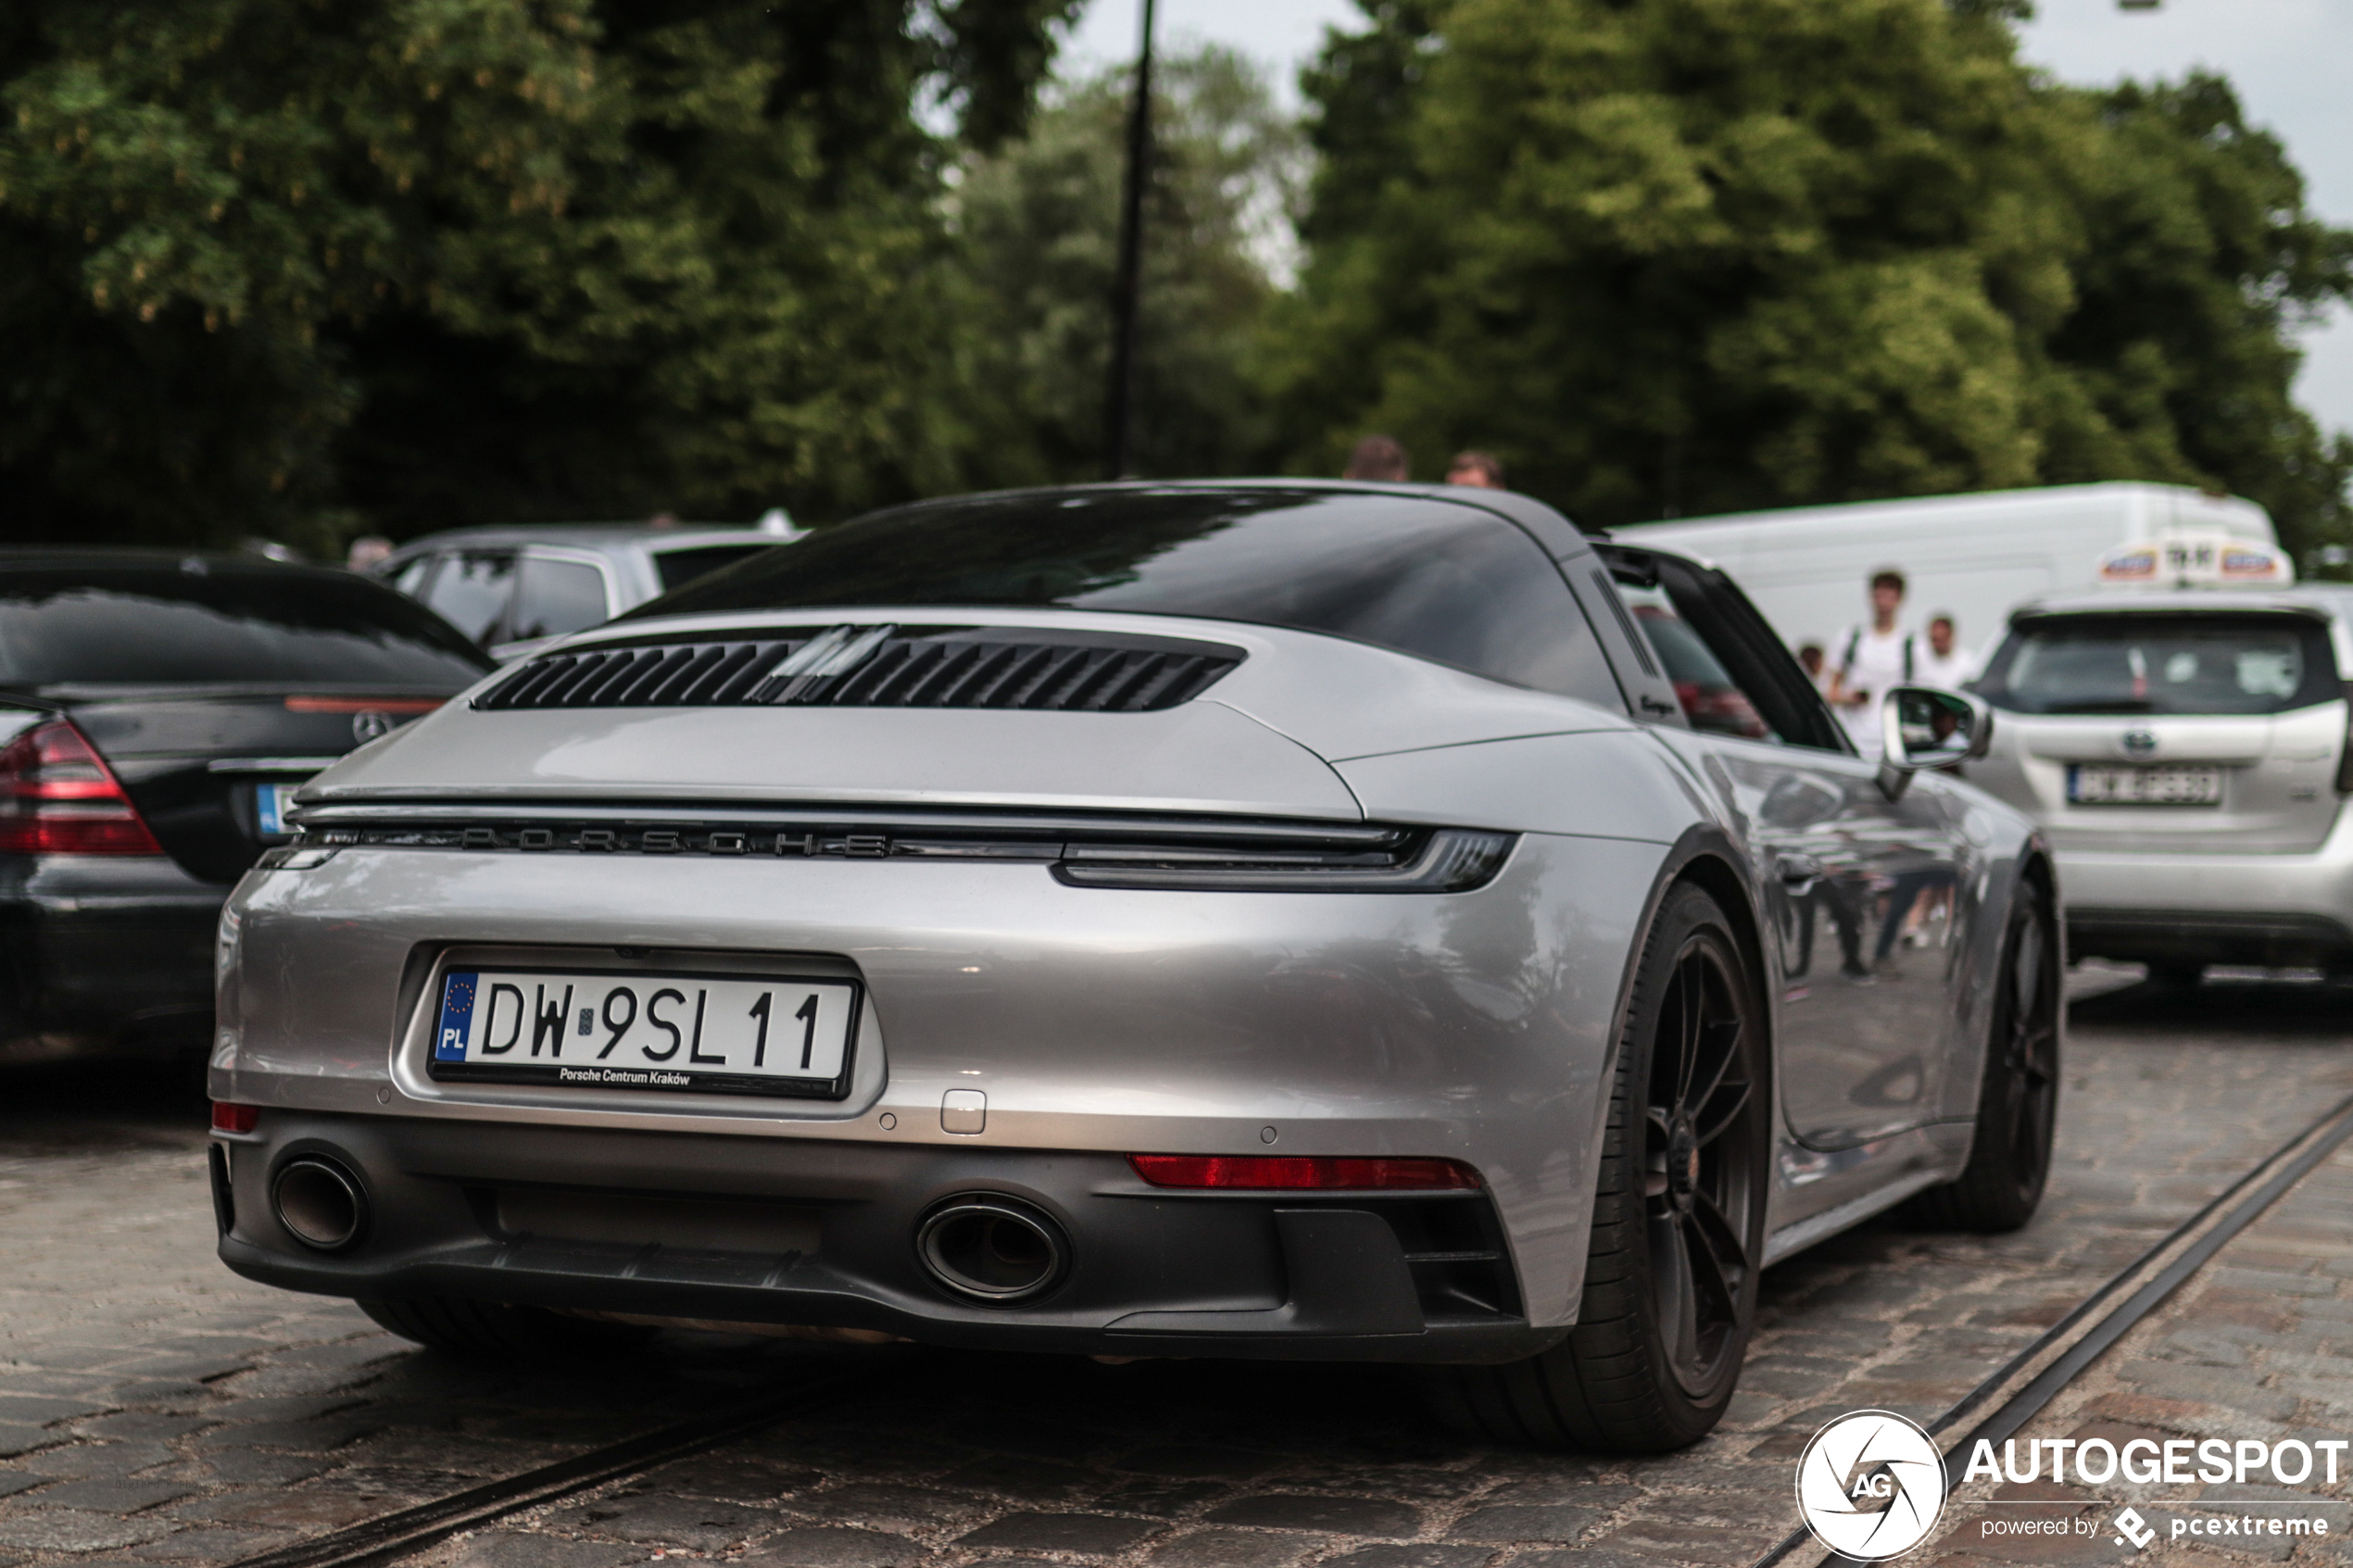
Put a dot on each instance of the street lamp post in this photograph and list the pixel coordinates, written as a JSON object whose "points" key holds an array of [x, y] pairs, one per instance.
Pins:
{"points": [[1126, 287]]}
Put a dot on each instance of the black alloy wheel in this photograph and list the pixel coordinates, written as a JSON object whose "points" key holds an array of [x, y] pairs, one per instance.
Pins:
{"points": [[2018, 1100], [1700, 1181], [1678, 1216]]}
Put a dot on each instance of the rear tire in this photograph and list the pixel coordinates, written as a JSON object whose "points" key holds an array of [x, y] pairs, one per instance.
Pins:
{"points": [[2018, 1102], [1679, 1217], [492, 1330]]}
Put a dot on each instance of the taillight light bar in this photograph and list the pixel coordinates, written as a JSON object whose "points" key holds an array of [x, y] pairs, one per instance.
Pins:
{"points": [[1287, 1172], [57, 796], [1445, 860]]}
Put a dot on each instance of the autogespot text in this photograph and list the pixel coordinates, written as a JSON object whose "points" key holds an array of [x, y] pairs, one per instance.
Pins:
{"points": [[2178, 1462]]}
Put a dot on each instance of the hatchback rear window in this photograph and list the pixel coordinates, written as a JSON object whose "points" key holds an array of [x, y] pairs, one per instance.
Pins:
{"points": [[220, 623], [2162, 663], [1440, 580]]}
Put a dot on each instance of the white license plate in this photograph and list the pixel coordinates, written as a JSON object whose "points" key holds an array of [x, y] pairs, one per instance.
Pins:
{"points": [[2090, 785], [269, 803], [648, 1030]]}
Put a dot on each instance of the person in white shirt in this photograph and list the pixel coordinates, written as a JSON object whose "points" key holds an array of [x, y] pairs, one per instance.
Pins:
{"points": [[1869, 659], [1943, 664]]}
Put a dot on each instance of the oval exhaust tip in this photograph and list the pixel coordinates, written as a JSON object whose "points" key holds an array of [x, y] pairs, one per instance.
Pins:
{"points": [[319, 1202], [987, 1247]]}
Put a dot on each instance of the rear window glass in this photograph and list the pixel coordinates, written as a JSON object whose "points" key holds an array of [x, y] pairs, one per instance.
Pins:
{"points": [[1710, 698], [2188, 663], [471, 589], [677, 567], [411, 579], [1441, 580], [557, 596], [226, 625]]}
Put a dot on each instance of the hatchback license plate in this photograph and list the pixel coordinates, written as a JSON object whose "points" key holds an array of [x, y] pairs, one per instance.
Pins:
{"points": [[2090, 785], [697, 1033]]}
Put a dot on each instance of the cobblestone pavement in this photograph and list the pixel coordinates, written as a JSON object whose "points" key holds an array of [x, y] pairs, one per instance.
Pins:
{"points": [[155, 1410], [2257, 1349]]}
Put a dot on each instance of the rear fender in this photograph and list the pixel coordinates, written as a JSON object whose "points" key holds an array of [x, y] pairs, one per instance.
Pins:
{"points": [[1706, 857]]}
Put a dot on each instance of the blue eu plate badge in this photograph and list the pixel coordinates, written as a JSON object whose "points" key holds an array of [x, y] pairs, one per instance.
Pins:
{"points": [[457, 1017], [270, 802]]}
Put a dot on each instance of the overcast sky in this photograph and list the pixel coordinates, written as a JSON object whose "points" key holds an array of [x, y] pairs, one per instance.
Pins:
{"points": [[2288, 59]]}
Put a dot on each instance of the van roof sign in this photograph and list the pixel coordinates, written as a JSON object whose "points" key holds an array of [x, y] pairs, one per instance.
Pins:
{"points": [[2196, 559]]}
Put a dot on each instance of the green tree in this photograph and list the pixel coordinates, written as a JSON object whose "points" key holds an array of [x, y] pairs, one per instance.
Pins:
{"points": [[2197, 262], [293, 266], [1039, 223], [1675, 256]]}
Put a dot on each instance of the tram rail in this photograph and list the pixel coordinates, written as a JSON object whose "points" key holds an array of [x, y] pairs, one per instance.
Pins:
{"points": [[2040, 1371]]}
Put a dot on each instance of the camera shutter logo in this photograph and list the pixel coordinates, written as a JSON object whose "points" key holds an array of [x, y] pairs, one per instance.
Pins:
{"points": [[1870, 1484]]}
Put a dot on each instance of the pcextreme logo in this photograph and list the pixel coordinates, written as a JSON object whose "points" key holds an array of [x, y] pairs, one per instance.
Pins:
{"points": [[1870, 1484]]}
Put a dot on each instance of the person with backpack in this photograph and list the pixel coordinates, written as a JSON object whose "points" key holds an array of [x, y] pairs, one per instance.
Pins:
{"points": [[1869, 659]]}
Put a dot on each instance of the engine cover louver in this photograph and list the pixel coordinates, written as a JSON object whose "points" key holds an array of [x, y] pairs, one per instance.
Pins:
{"points": [[854, 666]]}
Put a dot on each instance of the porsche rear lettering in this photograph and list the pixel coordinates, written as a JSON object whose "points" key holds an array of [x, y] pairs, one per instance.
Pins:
{"points": [[677, 841]]}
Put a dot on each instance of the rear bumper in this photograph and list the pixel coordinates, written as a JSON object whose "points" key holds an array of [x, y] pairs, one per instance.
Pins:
{"points": [[104, 955], [2272, 941], [821, 1233], [1474, 1026], [2276, 909]]}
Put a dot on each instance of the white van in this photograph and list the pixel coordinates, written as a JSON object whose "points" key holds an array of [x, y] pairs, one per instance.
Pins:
{"points": [[1973, 557]]}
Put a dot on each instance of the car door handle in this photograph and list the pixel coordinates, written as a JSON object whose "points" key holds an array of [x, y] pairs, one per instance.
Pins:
{"points": [[1800, 872]]}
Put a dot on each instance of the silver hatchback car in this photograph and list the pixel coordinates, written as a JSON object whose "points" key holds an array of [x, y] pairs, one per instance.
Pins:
{"points": [[515, 587], [1276, 919], [2185, 753]]}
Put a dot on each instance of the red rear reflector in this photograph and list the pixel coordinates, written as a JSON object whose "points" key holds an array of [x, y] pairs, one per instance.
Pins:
{"points": [[227, 1118], [363, 704], [1269, 1172], [57, 796]]}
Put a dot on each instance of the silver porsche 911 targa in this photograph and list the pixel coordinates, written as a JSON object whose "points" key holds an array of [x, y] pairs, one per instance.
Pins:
{"points": [[1272, 919]]}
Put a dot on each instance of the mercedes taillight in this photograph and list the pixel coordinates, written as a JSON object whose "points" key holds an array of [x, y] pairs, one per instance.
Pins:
{"points": [[57, 796]]}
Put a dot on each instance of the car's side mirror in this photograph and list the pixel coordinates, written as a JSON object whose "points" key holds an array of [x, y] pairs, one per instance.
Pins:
{"points": [[1924, 727]]}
